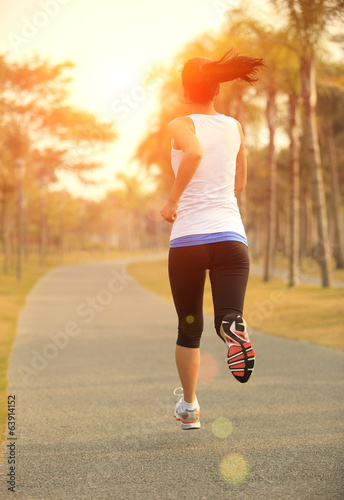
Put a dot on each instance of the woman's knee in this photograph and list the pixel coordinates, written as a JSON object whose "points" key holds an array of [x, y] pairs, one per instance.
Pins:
{"points": [[190, 330], [219, 318]]}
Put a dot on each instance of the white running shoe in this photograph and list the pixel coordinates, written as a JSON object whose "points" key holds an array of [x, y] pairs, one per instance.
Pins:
{"points": [[189, 419]]}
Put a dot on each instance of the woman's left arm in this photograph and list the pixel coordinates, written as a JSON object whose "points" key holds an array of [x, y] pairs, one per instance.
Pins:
{"points": [[241, 164]]}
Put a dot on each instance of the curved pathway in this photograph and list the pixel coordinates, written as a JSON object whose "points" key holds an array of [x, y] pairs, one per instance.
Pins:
{"points": [[93, 374]]}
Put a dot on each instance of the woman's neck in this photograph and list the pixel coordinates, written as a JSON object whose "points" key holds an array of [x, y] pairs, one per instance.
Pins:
{"points": [[202, 109]]}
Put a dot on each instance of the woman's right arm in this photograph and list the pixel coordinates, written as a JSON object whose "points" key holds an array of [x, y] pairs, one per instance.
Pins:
{"points": [[183, 135]]}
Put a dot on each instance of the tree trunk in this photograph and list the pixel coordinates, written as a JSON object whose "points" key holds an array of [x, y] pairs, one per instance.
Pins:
{"points": [[307, 230], [294, 131], [285, 230], [104, 232], [6, 234], [42, 229], [323, 255], [19, 227], [338, 250], [256, 244], [271, 215], [61, 226], [25, 230]]}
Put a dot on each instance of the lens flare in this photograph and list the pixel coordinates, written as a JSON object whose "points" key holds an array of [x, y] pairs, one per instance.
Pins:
{"points": [[190, 319], [234, 468], [209, 368], [222, 427]]}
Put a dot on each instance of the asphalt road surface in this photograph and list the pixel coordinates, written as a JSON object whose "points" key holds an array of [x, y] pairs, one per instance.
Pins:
{"points": [[93, 373]]}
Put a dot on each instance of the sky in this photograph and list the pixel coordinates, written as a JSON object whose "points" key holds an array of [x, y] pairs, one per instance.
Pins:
{"points": [[114, 44]]}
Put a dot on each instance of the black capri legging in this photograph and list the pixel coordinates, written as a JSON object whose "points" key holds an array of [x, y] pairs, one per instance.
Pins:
{"points": [[228, 263]]}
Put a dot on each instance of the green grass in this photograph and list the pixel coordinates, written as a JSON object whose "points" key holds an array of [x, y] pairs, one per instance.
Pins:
{"points": [[12, 296], [12, 299], [308, 312]]}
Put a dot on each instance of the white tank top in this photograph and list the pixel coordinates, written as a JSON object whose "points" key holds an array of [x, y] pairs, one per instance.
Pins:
{"points": [[208, 205]]}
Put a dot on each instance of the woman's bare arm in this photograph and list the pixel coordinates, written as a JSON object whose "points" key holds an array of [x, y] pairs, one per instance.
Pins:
{"points": [[185, 138], [241, 164]]}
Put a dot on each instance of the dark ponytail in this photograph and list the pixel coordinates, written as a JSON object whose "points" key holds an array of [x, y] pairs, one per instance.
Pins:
{"points": [[200, 75]]}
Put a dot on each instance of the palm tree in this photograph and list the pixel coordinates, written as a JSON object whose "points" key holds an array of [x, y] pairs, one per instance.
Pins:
{"points": [[290, 86], [330, 110], [308, 22]]}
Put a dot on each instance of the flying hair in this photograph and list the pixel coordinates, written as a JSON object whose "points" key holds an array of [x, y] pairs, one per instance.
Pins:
{"points": [[201, 75], [232, 67]]}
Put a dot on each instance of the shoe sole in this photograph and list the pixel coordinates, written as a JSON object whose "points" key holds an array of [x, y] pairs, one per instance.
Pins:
{"points": [[240, 357], [189, 425]]}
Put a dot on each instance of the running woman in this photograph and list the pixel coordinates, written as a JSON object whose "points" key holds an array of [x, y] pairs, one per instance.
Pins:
{"points": [[209, 162]]}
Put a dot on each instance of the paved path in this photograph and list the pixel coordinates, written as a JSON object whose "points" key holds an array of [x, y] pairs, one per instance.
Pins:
{"points": [[94, 403]]}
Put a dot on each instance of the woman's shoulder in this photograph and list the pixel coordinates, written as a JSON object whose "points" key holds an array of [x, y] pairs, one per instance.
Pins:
{"points": [[228, 118], [181, 121], [233, 122]]}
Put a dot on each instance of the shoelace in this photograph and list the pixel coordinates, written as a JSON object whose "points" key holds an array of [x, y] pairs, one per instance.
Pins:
{"points": [[178, 396]]}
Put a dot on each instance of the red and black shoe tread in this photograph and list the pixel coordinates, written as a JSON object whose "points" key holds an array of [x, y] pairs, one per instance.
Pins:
{"points": [[241, 356]]}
